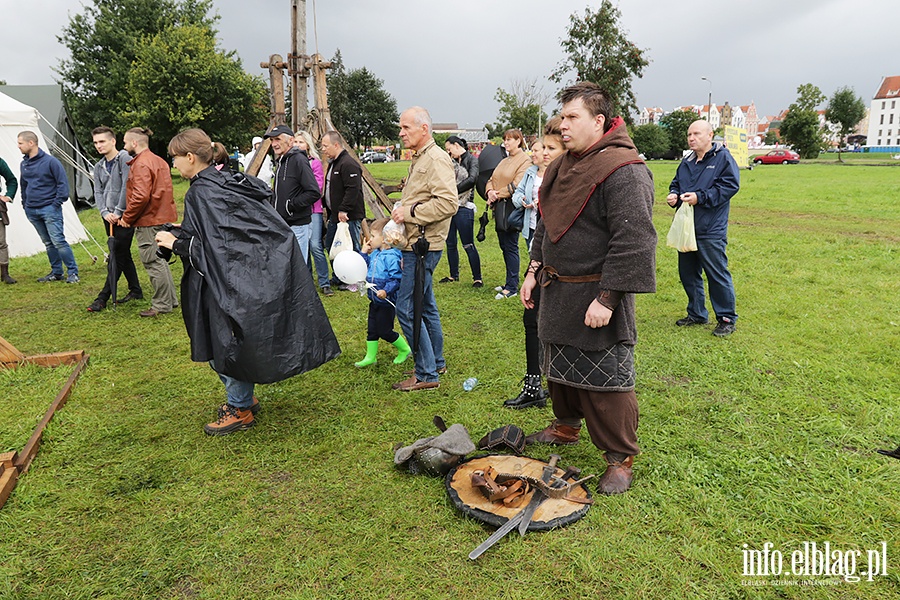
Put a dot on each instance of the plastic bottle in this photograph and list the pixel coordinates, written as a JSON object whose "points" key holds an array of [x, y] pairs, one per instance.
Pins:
{"points": [[470, 383]]}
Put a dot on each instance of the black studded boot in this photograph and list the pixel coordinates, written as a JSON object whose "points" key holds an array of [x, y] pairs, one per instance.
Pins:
{"points": [[531, 395]]}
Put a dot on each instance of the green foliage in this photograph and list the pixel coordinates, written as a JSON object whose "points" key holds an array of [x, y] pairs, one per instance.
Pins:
{"points": [[361, 109], [651, 140], [771, 138], [846, 110], [181, 80], [800, 127], [104, 42], [597, 50], [441, 138], [520, 109], [768, 435], [676, 123]]}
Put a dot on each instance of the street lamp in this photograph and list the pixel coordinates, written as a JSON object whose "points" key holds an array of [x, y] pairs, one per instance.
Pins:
{"points": [[709, 102]]}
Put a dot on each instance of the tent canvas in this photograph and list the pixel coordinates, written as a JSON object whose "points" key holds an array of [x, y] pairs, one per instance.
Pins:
{"points": [[21, 236], [59, 132]]}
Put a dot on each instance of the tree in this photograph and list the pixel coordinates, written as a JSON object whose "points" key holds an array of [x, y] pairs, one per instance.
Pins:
{"points": [[520, 108], [800, 127], [181, 80], [771, 138], [360, 107], [103, 44], [676, 124], [651, 140], [597, 50], [846, 110]]}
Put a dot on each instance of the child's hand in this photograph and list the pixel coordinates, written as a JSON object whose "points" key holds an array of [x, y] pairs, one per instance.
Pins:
{"points": [[365, 247], [381, 294]]}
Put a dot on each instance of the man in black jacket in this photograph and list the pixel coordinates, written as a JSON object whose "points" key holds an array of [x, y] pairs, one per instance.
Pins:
{"points": [[343, 190], [296, 189]]}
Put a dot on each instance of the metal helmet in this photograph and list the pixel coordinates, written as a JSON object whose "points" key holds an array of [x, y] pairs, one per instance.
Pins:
{"points": [[433, 461]]}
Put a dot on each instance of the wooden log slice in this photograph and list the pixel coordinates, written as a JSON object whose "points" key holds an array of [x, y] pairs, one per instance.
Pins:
{"points": [[552, 513]]}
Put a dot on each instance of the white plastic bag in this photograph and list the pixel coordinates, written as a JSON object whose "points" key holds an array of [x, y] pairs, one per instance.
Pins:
{"points": [[342, 240], [681, 234]]}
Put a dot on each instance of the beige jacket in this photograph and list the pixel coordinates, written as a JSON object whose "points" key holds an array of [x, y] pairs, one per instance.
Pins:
{"points": [[429, 196], [510, 171]]}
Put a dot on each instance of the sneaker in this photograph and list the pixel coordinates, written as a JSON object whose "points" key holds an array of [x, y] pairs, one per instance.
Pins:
{"points": [[129, 297], [724, 328], [326, 291], [97, 305], [499, 288], [503, 295], [51, 277], [689, 322], [348, 288], [72, 278], [447, 280], [230, 419]]}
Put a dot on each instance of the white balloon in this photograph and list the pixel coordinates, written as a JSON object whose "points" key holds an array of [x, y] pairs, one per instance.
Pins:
{"points": [[350, 267]]}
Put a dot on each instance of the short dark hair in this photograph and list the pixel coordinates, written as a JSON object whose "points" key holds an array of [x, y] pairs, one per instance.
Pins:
{"points": [[103, 129], [455, 139], [595, 98], [334, 137]]}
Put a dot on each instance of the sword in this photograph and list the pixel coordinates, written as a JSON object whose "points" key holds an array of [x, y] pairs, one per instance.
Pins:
{"points": [[514, 520], [539, 495]]}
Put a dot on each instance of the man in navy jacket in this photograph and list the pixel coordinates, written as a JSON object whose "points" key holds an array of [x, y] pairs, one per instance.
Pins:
{"points": [[707, 178], [44, 190]]}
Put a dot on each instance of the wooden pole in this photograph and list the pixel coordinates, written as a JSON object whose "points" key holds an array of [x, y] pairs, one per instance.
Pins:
{"points": [[276, 67], [297, 62]]}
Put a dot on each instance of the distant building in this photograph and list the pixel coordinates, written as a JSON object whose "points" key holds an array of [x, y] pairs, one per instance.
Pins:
{"points": [[650, 115], [884, 115]]}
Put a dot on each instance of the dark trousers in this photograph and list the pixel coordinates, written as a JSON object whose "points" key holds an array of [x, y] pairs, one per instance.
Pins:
{"points": [[610, 417], [122, 237], [509, 244], [381, 323], [463, 223], [710, 258], [532, 343]]}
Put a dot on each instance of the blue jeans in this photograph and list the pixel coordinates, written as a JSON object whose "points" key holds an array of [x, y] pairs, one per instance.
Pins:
{"points": [[301, 232], [430, 355], [464, 223], [48, 221], [509, 244], [709, 258], [355, 228], [316, 235], [239, 393]]}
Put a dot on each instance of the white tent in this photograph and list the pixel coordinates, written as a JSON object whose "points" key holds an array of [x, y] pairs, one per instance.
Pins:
{"points": [[23, 240]]}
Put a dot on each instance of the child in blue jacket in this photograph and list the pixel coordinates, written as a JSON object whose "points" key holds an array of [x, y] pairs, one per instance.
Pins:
{"points": [[384, 272]]}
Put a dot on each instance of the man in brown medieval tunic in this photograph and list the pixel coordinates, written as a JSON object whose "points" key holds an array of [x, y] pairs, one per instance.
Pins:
{"points": [[595, 247]]}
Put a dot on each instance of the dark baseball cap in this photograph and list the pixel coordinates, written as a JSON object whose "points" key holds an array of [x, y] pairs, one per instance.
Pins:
{"points": [[279, 130]]}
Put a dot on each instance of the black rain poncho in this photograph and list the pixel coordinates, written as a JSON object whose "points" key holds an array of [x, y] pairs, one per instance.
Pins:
{"points": [[248, 300]]}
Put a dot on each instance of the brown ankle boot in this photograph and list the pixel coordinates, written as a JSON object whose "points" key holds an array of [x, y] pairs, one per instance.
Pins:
{"points": [[4, 274], [618, 476], [556, 433]]}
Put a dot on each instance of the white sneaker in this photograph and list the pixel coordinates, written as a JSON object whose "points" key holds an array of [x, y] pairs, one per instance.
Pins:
{"points": [[499, 288], [502, 296]]}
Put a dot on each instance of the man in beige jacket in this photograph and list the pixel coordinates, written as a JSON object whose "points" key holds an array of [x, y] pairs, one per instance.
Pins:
{"points": [[429, 202]]}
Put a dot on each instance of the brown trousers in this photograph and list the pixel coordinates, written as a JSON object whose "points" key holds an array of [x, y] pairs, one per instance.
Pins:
{"points": [[611, 417], [4, 249]]}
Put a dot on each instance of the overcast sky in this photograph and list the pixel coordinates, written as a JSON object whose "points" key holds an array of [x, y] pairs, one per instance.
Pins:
{"points": [[451, 56]]}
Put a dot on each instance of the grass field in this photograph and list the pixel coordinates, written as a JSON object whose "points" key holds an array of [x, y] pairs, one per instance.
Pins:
{"points": [[766, 436]]}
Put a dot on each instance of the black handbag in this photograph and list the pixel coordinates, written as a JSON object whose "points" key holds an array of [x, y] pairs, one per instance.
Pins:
{"points": [[507, 217]]}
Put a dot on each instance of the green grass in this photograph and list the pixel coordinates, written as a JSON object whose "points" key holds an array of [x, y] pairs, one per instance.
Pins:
{"points": [[765, 436]]}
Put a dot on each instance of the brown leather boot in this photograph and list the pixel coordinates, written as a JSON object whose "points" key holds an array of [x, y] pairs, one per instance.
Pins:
{"points": [[4, 274], [556, 433], [618, 476]]}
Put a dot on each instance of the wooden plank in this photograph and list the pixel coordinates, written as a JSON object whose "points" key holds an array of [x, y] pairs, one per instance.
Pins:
{"points": [[30, 450], [9, 353], [8, 480], [56, 359], [8, 459]]}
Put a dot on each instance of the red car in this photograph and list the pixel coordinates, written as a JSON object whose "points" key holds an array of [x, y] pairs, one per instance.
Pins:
{"points": [[781, 156]]}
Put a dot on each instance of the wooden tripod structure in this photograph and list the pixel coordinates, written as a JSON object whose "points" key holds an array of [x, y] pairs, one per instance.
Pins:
{"points": [[14, 464], [318, 120]]}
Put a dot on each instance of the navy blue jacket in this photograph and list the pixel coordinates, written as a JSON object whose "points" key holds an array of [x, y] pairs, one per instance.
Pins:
{"points": [[715, 179], [385, 272], [43, 181]]}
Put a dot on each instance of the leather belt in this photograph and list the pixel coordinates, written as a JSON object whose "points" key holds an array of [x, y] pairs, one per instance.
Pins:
{"points": [[547, 275]]}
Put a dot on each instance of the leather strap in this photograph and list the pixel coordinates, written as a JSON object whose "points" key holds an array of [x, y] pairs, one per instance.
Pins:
{"points": [[547, 275]]}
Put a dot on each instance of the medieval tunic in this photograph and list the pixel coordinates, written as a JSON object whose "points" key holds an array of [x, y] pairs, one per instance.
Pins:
{"points": [[596, 220]]}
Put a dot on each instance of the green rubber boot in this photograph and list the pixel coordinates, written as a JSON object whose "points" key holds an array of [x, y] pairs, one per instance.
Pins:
{"points": [[403, 350], [371, 352]]}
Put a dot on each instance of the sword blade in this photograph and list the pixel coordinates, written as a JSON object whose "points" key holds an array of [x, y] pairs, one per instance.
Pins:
{"points": [[497, 535]]}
